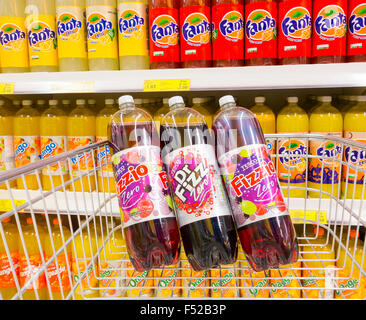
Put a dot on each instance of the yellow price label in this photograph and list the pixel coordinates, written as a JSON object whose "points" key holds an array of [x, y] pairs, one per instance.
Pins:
{"points": [[168, 85], [7, 88], [76, 87], [6, 205], [313, 215]]}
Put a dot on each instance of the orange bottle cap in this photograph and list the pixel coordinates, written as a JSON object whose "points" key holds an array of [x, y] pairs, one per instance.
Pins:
{"points": [[56, 221], [29, 220], [319, 232], [353, 233], [6, 220]]}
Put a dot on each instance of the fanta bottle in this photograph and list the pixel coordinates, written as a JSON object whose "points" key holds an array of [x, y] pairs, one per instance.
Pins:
{"points": [[203, 210], [356, 35], [53, 128], [324, 168], [267, 120], [350, 281], [9, 265], [354, 129], [40, 23], [59, 274], [227, 33], [13, 39], [292, 153], [352, 101], [161, 112], [262, 219], [164, 34], [260, 32], [80, 133], [101, 24], [27, 143], [71, 35], [150, 227], [133, 25], [105, 175], [6, 141], [168, 281], [203, 106], [318, 262], [294, 38], [329, 31], [195, 33], [36, 290]]}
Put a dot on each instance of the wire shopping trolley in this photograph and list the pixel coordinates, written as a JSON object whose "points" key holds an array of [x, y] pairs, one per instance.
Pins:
{"points": [[63, 239]]}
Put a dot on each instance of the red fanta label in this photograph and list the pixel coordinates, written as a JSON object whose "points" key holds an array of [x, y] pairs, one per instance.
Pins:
{"points": [[330, 24], [356, 41], [164, 30], [294, 38], [228, 31], [195, 22], [261, 30]]}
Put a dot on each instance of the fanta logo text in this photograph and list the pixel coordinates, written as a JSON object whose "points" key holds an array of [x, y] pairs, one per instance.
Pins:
{"points": [[195, 25], [330, 20], [188, 180], [357, 20], [10, 33], [329, 151], [39, 34], [133, 175], [220, 283], [135, 281], [21, 148], [169, 279], [287, 155], [102, 154], [68, 25], [253, 178], [130, 22], [260, 284], [164, 28], [355, 156], [294, 22], [97, 26], [231, 25], [48, 149], [198, 281], [259, 23]]}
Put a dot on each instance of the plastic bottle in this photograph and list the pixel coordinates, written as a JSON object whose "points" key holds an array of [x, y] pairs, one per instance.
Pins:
{"points": [[294, 37], [40, 23], [267, 120], [13, 37], [71, 35], [356, 35], [7, 264], [160, 113], [7, 161], [349, 278], [106, 178], [202, 105], [53, 132], [319, 268], [27, 144], [133, 27], [66, 106], [41, 105], [262, 219], [150, 227], [292, 163], [354, 129], [329, 31], [352, 101], [195, 33], [164, 31], [227, 33], [34, 252], [101, 24], [80, 133], [17, 104], [203, 210], [261, 32], [59, 275], [324, 173]]}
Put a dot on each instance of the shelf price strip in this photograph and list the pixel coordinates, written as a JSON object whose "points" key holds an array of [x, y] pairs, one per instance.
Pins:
{"points": [[7, 88], [167, 85], [313, 215]]}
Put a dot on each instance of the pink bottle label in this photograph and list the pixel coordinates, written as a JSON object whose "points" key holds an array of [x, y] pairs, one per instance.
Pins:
{"points": [[252, 184]]}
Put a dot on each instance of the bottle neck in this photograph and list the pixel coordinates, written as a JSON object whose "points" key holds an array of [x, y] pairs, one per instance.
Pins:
{"points": [[228, 106], [177, 106], [127, 106]]}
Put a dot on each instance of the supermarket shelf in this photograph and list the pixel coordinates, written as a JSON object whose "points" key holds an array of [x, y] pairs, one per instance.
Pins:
{"points": [[324, 211], [207, 79]]}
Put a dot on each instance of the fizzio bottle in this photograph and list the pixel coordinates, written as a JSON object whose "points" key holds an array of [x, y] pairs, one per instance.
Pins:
{"points": [[262, 219], [150, 227], [206, 224]]}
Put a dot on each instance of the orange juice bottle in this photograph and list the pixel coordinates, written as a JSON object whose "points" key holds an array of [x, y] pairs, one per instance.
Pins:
{"points": [[291, 161], [106, 181], [41, 105], [71, 35], [17, 105], [140, 284], [202, 105], [59, 275], [13, 39], [6, 141], [101, 23], [349, 278], [7, 281], [40, 23], [160, 112], [267, 120], [318, 265], [27, 271], [53, 142], [66, 106], [92, 105], [81, 132], [168, 281], [223, 282], [27, 145]]}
